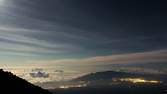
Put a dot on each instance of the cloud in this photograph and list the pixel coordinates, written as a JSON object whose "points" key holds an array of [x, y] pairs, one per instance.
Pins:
{"points": [[18, 35], [16, 40], [28, 29], [140, 57], [151, 56]]}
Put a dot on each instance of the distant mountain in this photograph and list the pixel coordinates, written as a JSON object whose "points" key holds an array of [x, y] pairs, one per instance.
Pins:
{"points": [[11, 84], [113, 74], [104, 75], [109, 82]]}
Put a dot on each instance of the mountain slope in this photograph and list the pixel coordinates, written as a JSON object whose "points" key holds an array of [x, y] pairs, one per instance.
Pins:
{"points": [[11, 84]]}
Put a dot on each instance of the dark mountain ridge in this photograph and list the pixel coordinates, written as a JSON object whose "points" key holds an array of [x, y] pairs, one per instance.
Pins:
{"points": [[11, 84]]}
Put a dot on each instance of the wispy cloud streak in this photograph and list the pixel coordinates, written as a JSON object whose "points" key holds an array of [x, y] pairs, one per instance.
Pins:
{"points": [[140, 57], [16, 40]]}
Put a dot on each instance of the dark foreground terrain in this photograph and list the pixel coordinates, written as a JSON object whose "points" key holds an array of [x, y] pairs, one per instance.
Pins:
{"points": [[110, 83], [115, 89], [11, 84], [111, 90]]}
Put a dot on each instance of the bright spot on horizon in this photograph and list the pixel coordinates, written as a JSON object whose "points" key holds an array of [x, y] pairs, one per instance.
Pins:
{"points": [[73, 86], [136, 80]]}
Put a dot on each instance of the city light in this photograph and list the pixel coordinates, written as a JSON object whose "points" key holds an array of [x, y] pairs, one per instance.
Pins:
{"points": [[73, 86], [136, 80]]}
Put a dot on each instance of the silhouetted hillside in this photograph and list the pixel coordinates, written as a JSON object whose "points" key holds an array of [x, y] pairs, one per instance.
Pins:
{"points": [[11, 84]]}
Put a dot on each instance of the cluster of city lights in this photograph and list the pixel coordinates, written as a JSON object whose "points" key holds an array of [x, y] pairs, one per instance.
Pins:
{"points": [[136, 80], [73, 86]]}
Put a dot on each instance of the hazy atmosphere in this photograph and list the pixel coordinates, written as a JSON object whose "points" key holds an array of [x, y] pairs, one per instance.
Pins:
{"points": [[82, 36]]}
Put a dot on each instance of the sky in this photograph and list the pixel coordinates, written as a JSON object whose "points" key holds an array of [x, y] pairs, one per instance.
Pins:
{"points": [[82, 31]]}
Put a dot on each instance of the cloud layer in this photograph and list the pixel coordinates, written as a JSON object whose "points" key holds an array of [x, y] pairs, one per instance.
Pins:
{"points": [[61, 29], [141, 57], [15, 40]]}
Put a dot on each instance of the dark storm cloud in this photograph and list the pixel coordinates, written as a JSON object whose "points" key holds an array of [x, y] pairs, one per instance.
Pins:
{"points": [[82, 27]]}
